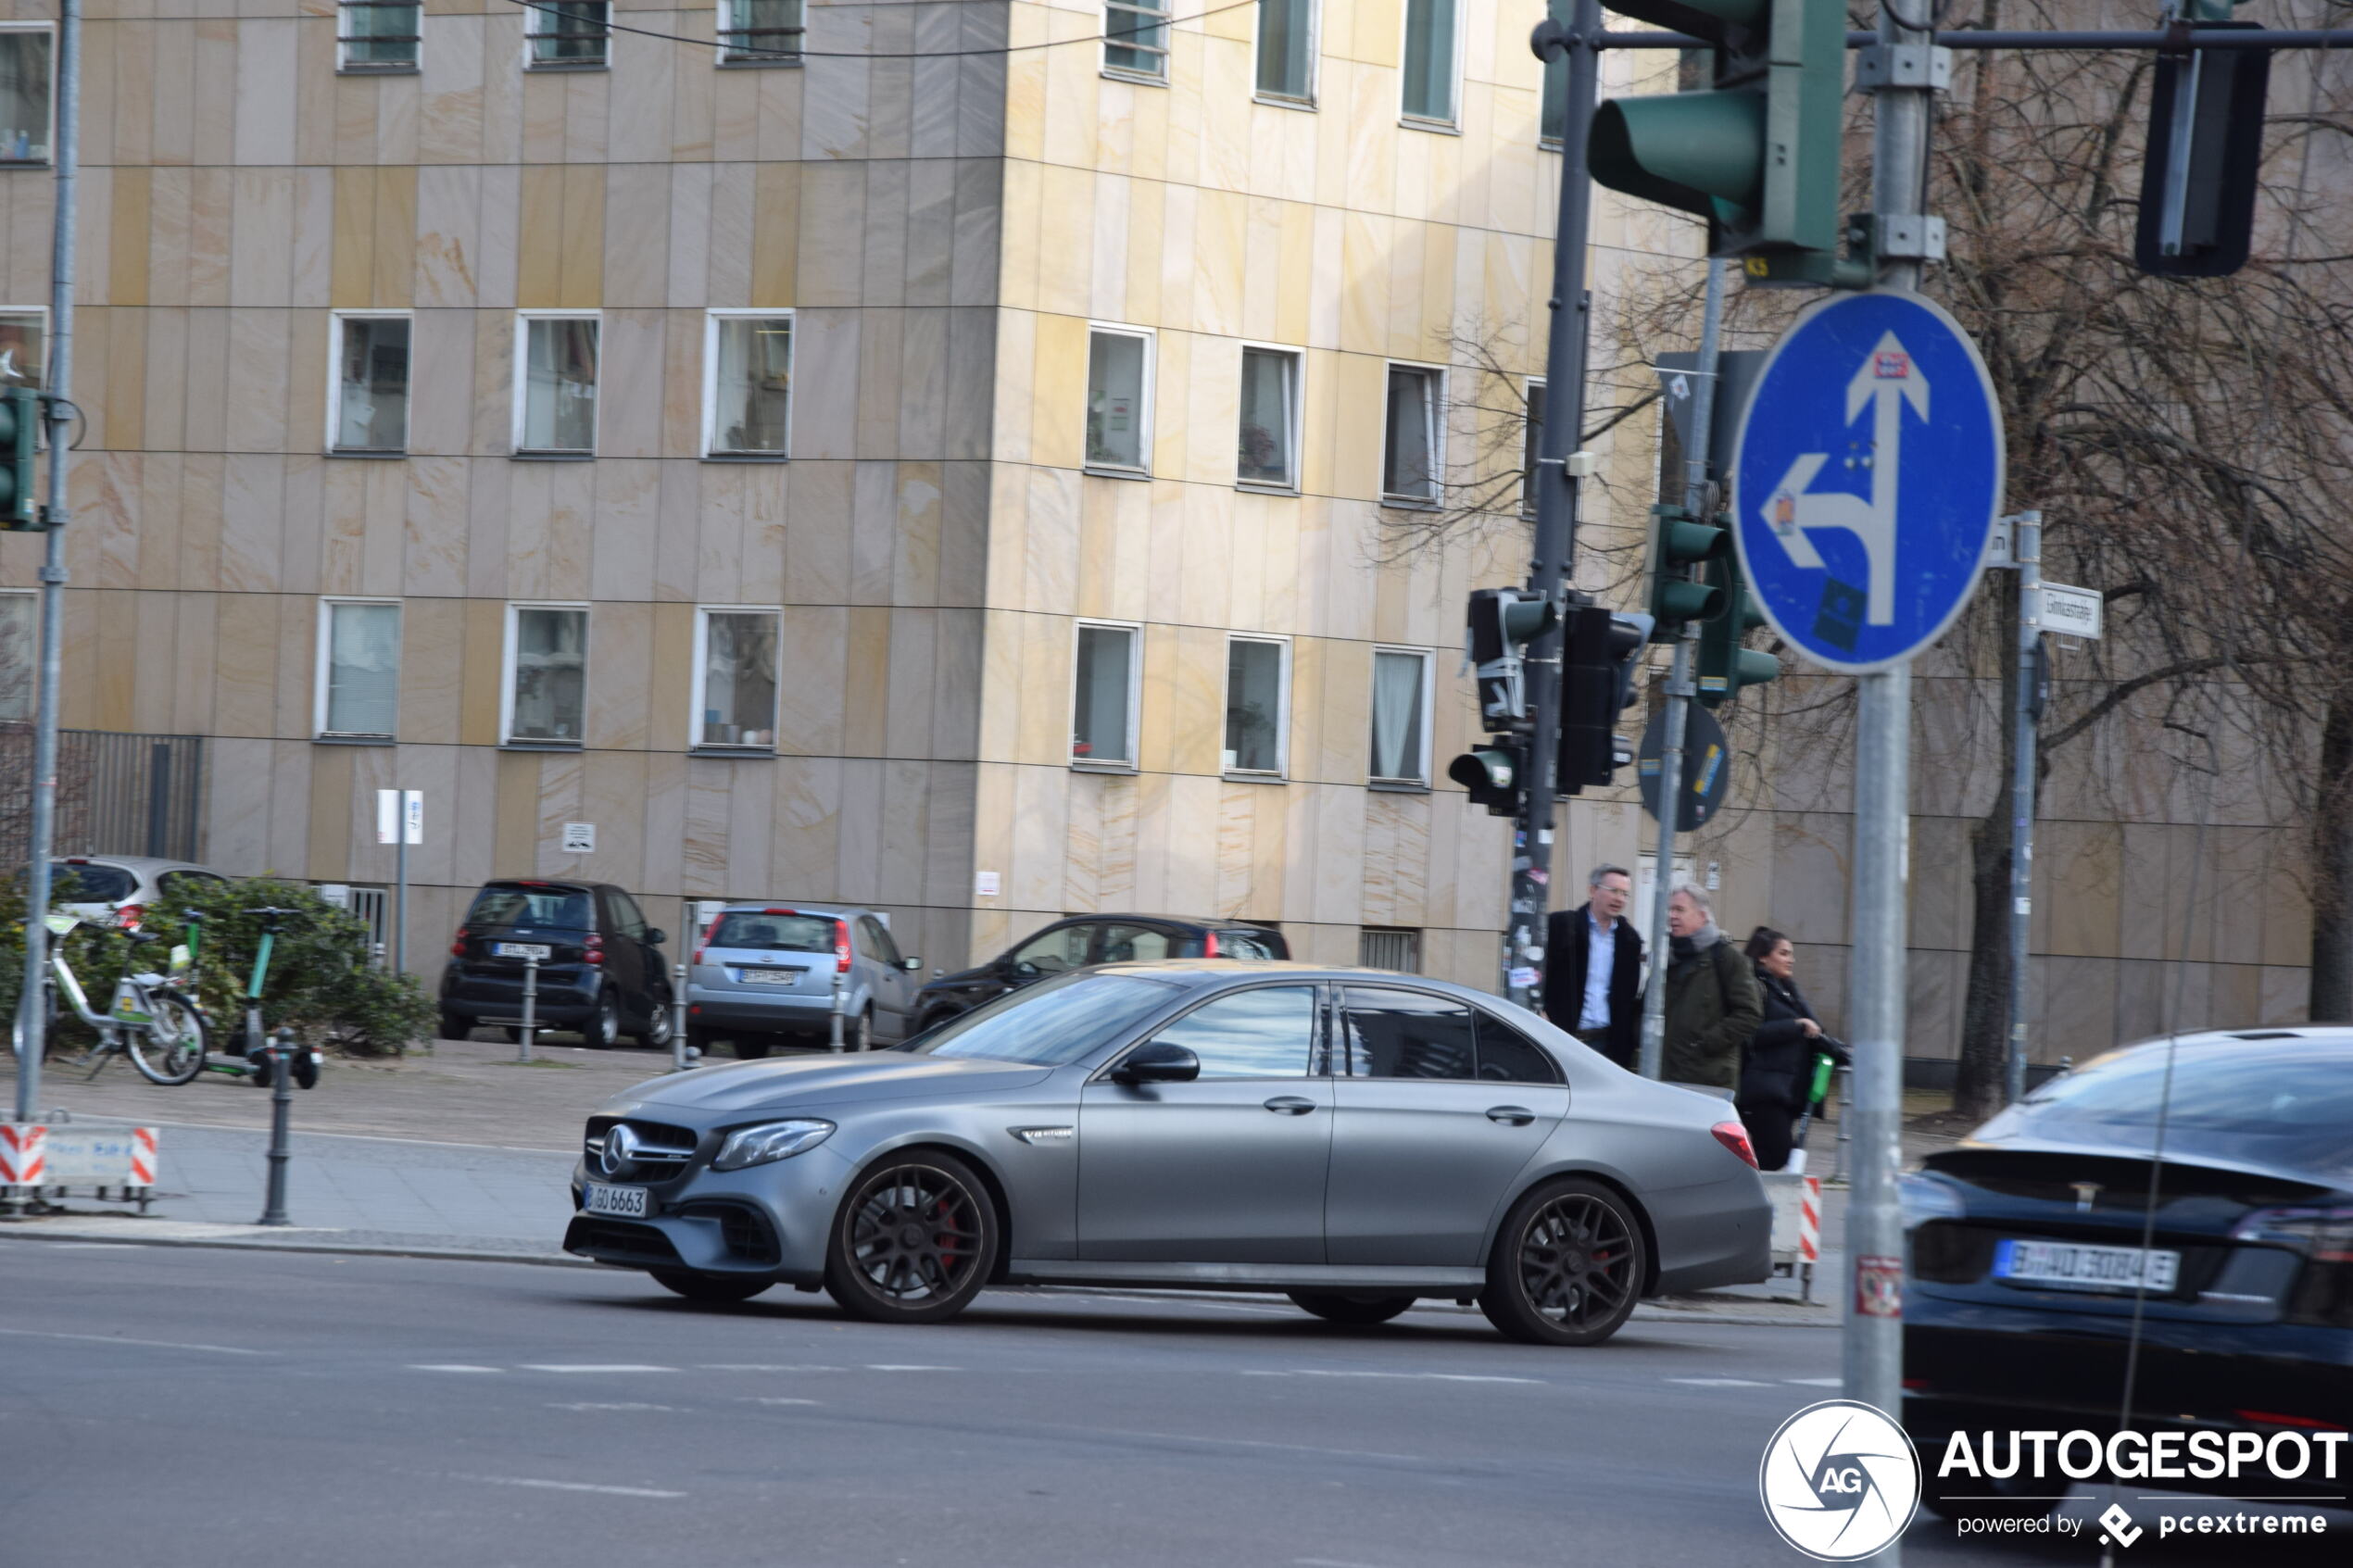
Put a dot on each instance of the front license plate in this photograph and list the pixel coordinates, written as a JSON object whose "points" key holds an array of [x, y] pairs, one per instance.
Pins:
{"points": [[539, 950], [601, 1197], [2078, 1267], [772, 977]]}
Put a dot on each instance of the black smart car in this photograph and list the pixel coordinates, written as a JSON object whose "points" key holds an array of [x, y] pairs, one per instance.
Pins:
{"points": [[2030, 1240], [601, 970], [1091, 939]]}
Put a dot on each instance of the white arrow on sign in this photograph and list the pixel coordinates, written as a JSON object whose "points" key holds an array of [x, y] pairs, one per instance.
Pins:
{"points": [[1889, 378]]}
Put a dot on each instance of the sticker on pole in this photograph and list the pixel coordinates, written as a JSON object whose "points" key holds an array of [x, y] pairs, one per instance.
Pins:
{"points": [[1868, 479]]}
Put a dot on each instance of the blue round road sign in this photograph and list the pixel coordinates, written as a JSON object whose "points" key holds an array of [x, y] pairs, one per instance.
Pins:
{"points": [[1868, 479]]}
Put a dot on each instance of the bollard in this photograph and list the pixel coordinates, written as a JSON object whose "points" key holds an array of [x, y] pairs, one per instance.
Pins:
{"points": [[682, 1054], [841, 996], [530, 1007], [278, 1056]]}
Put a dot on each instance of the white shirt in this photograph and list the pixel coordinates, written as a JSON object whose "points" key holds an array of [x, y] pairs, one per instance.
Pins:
{"points": [[1601, 958]]}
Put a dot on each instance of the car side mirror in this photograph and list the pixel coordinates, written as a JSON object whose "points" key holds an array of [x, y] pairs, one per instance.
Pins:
{"points": [[1024, 970], [657, 935], [1157, 1062], [912, 965]]}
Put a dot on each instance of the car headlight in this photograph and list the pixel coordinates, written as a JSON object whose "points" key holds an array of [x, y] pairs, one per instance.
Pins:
{"points": [[770, 1140], [1925, 1197]]}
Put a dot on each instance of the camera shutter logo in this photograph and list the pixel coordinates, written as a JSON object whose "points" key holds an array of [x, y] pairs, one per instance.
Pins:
{"points": [[1839, 1480]]}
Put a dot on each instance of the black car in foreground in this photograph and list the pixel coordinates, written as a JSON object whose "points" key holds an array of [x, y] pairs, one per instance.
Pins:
{"points": [[2042, 1245], [1093, 939], [601, 970]]}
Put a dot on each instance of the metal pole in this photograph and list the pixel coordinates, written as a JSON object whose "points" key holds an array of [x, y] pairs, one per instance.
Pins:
{"points": [[400, 883], [58, 374], [1557, 499], [2026, 549], [682, 1054], [530, 1006], [1679, 690], [273, 1208], [841, 994]]}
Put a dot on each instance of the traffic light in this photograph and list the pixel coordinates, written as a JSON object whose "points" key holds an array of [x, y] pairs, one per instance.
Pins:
{"points": [[19, 431], [1495, 774], [1725, 667], [2205, 155], [1756, 153], [1600, 659], [1680, 545], [1502, 622]]}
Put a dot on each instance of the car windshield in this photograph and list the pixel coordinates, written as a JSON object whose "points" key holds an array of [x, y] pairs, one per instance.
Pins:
{"points": [[1246, 945], [536, 908], [773, 932], [91, 884], [2289, 1105], [1053, 1023]]}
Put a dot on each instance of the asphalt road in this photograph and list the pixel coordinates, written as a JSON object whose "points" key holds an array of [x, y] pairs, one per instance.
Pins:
{"points": [[189, 1407]]}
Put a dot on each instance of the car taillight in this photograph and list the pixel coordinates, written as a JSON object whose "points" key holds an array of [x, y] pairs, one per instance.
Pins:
{"points": [[128, 916], [458, 944], [704, 945], [841, 947], [1209, 945], [1734, 1136], [595, 948], [2323, 1291]]}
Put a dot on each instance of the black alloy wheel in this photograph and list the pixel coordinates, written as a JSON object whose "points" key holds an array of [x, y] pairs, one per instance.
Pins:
{"points": [[915, 1242], [1568, 1267], [655, 1035], [713, 1290], [1357, 1310], [454, 1025]]}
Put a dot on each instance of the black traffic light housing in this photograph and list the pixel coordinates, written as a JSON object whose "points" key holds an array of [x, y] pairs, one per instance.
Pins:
{"points": [[2204, 155], [1680, 546], [1599, 662], [1495, 773], [1502, 622], [20, 441], [1725, 667]]}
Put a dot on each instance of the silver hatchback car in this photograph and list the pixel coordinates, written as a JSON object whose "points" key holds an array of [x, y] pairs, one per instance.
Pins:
{"points": [[1353, 1138], [765, 973]]}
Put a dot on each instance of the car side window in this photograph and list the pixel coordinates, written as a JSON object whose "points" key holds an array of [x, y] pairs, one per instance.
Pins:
{"points": [[1266, 1032], [1407, 1035], [625, 918], [1057, 950], [1507, 1056], [185, 884], [878, 943], [1131, 943]]}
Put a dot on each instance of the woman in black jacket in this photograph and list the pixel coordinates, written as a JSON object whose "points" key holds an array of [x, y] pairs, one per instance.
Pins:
{"points": [[1777, 1069]]}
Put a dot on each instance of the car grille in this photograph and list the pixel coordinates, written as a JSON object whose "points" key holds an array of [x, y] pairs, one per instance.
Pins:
{"points": [[619, 1238], [745, 1231], [663, 1151]]}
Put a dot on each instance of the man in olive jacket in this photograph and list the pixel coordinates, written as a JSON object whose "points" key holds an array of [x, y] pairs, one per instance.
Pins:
{"points": [[1713, 1003]]}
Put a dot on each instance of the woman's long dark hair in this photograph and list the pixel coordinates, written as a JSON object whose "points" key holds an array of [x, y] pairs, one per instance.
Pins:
{"points": [[1761, 943]]}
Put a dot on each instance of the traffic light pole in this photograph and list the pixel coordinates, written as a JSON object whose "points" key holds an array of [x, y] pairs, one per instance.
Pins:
{"points": [[1679, 690], [1557, 497], [2026, 554]]}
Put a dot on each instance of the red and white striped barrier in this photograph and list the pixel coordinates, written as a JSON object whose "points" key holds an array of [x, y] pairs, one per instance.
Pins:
{"points": [[1809, 1222], [22, 1159], [143, 1158], [61, 1155]]}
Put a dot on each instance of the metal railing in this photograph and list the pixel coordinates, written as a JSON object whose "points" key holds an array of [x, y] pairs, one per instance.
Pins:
{"points": [[117, 794]]}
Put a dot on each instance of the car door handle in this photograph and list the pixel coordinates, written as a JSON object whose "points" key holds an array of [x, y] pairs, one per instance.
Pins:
{"points": [[1516, 1115], [1289, 1105]]}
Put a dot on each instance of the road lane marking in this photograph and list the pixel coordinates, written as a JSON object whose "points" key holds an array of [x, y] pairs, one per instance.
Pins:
{"points": [[1817, 1382], [452, 1366], [1253, 1443], [622, 1406], [907, 1366], [570, 1487], [1417, 1376], [762, 1366], [588, 1366], [1719, 1382], [766, 1400], [149, 1344]]}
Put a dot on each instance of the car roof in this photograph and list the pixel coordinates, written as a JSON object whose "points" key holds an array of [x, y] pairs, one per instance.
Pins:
{"points": [[785, 906], [148, 865], [1208, 971], [2335, 1036], [1236, 923]]}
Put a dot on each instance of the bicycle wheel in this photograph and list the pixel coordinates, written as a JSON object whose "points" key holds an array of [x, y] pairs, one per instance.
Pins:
{"points": [[172, 1049]]}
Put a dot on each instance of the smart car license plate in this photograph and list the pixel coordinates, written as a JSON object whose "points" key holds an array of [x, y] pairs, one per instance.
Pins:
{"points": [[601, 1197], [539, 950], [2086, 1268], [772, 977]]}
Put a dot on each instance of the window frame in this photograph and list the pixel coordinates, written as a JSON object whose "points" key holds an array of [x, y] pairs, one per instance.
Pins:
{"points": [[1319, 1045], [533, 17], [523, 319], [39, 311], [1531, 431], [1146, 391], [1166, 12], [335, 320], [773, 57], [711, 377], [1280, 772], [1428, 699], [1315, 64], [50, 156], [1293, 412], [507, 671], [1453, 121], [1435, 415], [323, 664], [347, 66], [694, 741], [31, 599], [1341, 1050], [1134, 739], [1412, 935]]}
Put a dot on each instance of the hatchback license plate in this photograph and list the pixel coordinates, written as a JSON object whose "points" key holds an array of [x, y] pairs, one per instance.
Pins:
{"points": [[539, 950], [2086, 1268], [600, 1198], [772, 977]]}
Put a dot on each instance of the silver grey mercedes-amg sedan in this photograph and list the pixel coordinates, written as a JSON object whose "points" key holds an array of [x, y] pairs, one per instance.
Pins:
{"points": [[1353, 1138]]}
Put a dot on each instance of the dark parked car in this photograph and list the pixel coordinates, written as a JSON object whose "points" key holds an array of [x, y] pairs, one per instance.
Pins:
{"points": [[601, 970], [1093, 939], [2030, 1240]]}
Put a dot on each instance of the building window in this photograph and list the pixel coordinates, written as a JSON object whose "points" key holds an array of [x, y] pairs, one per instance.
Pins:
{"points": [[1287, 50], [1531, 438], [547, 687], [735, 678], [24, 335], [1257, 682], [760, 32], [19, 650], [1136, 38], [1102, 728], [1409, 451], [567, 33], [1401, 707], [1553, 104], [556, 394], [1118, 400], [359, 667], [25, 93], [1269, 453], [748, 390], [1398, 950], [378, 34], [1429, 60], [369, 406]]}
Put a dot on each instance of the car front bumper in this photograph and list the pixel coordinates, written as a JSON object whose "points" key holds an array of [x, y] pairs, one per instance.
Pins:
{"points": [[768, 1221]]}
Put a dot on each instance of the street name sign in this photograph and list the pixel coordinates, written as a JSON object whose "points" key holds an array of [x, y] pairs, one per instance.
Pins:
{"points": [[1868, 479], [2072, 612]]}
